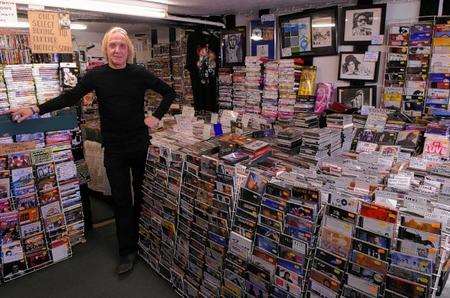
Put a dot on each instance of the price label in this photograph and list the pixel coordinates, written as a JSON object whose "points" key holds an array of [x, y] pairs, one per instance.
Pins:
{"points": [[377, 39], [371, 57]]}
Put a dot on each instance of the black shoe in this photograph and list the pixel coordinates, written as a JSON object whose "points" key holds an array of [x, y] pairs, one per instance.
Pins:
{"points": [[126, 264]]}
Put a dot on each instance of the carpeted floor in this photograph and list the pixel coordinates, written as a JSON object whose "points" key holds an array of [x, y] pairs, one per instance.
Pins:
{"points": [[90, 273]]}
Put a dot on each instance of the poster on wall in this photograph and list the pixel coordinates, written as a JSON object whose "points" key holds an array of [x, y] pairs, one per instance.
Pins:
{"points": [[49, 32], [296, 37], [233, 47], [362, 23], [353, 67], [309, 33], [262, 37], [357, 96]]}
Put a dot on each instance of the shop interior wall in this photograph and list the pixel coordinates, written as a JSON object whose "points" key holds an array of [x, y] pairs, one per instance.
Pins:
{"points": [[327, 67]]}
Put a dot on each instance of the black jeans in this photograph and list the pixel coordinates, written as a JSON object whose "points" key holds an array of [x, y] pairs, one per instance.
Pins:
{"points": [[118, 165]]}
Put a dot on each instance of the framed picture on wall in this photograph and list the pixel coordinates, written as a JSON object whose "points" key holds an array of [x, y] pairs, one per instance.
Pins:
{"points": [[233, 47], [357, 96], [361, 23], [262, 37], [295, 33], [323, 31], [353, 67], [308, 33]]}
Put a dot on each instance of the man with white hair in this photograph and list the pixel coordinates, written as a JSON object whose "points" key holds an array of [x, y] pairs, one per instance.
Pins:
{"points": [[120, 87]]}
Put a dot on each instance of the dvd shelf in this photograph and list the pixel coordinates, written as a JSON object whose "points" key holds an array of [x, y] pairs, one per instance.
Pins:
{"points": [[417, 68], [233, 216], [40, 209], [14, 47]]}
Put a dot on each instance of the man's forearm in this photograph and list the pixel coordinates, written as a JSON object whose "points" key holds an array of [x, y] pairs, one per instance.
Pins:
{"points": [[164, 106]]}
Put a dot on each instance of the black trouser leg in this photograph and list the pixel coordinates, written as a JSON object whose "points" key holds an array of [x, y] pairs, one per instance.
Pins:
{"points": [[137, 171], [118, 172]]}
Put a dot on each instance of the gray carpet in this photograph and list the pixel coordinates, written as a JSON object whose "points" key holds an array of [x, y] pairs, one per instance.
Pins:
{"points": [[90, 273]]}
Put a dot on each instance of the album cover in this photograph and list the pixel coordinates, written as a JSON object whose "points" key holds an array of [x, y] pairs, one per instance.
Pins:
{"points": [[14, 268], [351, 292], [25, 202], [328, 269], [256, 182], [331, 259], [23, 191], [421, 224], [278, 191], [300, 210], [412, 262], [335, 242], [28, 215], [337, 225], [373, 238], [382, 228], [250, 196], [12, 252], [287, 286], [240, 245], [274, 204], [369, 262], [66, 171], [268, 232], [5, 206], [346, 203], [19, 160], [325, 280], [274, 224], [416, 249], [322, 290], [21, 177], [365, 279], [272, 213], [51, 209], [34, 243], [371, 250], [38, 258], [47, 183], [54, 223], [4, 188], [424, 238], [378, 212], [264, 260], [414, 276], [405, 287], [230, 289], [266, 244], [296, 245], [341, 214], [300, 234]]}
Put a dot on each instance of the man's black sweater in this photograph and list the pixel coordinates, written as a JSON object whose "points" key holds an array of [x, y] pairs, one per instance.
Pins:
{"points": [[120, 94]]}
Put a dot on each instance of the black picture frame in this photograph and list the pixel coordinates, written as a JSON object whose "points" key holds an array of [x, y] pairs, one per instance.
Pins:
{"points": [[358, 59], [313, 15], [365, 90], [347, 21], [238, 58], [328, 12]]}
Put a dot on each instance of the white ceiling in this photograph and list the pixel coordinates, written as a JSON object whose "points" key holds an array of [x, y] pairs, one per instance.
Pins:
{"points": [[214, 7]]}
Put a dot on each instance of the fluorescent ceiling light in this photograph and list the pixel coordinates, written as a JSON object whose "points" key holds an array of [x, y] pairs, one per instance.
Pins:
{"points": [[22, 24], [78, 26], [132, 8]]}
